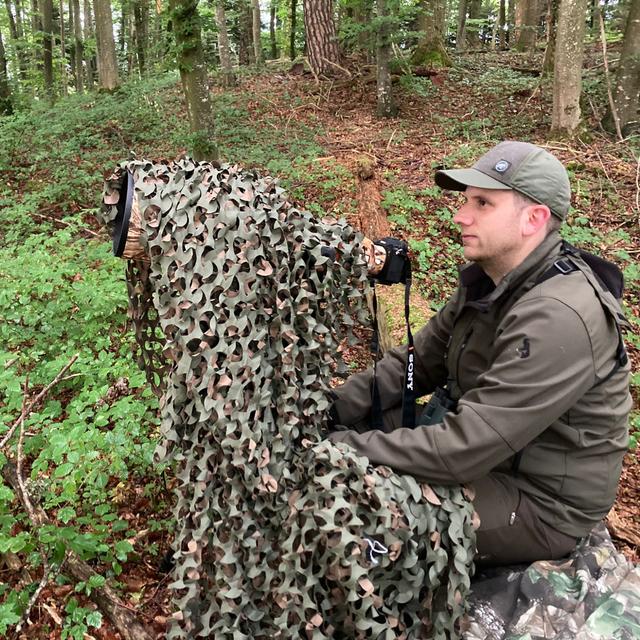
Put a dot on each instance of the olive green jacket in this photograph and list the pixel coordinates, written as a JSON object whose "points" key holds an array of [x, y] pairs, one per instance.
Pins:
{"points": [[527, 361]]}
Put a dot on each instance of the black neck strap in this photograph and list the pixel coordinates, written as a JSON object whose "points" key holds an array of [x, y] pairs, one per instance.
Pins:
{"points": [[408, 392]]}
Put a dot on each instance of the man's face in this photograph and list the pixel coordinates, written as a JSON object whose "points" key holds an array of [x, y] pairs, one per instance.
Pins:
{"points": [[491, 226]]}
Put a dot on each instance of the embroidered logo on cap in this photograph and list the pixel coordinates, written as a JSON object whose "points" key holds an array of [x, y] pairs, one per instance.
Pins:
{"points": [[502, 166]]}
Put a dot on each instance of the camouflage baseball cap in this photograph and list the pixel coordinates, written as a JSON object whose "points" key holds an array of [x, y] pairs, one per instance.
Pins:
{"points": [[519, 166]]}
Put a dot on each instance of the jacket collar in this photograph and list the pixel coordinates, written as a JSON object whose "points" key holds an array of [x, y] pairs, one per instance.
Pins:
{"points": [[480, 290]]}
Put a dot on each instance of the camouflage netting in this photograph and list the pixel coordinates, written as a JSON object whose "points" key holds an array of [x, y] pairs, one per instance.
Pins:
{"points": [[281, 534]]}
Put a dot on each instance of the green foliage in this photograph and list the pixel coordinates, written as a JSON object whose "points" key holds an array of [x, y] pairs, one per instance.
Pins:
{"points": [[79, 621], [422, 87]]}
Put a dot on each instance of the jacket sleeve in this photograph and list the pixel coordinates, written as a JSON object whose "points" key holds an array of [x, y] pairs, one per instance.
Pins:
{"points": [[514, 401], [353, 398]]}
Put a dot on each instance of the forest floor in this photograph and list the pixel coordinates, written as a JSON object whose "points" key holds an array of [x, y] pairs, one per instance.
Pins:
{"points": [[334, 156]]}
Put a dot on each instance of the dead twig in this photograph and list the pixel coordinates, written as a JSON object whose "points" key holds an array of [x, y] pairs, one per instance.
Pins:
{"points": [[337, 66], [530, 98], [37, 400], [607, 75], [65, 223], [11, 362]]}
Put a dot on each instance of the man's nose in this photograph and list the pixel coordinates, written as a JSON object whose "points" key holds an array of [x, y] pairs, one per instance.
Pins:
{"points": [[462, 217]]}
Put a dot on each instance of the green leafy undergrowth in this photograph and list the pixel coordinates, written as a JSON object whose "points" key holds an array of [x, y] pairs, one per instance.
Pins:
{"points": [[93, 434], [419, 216]]}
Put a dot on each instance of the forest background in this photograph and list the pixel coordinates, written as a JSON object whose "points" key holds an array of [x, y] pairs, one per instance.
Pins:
{"points": [[351, 104]]}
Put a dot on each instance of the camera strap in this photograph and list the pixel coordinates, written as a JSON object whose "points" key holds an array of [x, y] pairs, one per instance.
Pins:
{"points": [[408, 391]]}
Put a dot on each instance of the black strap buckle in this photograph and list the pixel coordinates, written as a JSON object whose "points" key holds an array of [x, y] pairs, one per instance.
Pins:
{"points": [[564, 266]]}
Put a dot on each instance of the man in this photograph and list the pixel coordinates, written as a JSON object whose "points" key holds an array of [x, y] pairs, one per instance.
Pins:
{"points": [[530, 352]]}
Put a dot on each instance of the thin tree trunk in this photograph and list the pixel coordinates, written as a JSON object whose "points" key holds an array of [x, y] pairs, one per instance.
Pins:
{"points": [[130, 40], [6, 107], [186, 27], [122, 31], [88, 33], [322, 44], [36, 17], [228, 77], [626, 91], [141, 17], [63, 63], [16, 34], [386, 107], [272, 30], [257, 30], [47, 47], [158, 36], [593, 14], [550, 52], [79, 45], [510, 36], [294, 26], [462, 22], [502, 26], [107, 62], [567, 75]]}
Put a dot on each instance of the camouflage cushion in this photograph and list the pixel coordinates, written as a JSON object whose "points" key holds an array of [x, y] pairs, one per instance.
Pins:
{"points": [[594, 594]]}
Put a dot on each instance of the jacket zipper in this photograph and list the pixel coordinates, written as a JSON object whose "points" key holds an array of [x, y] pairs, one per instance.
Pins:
{"points": [[462, 348]]}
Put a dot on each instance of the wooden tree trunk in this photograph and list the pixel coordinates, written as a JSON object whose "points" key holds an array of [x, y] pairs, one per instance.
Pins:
{"points": [[550, 51], [88, 34], [462, 23], [627, 83], [294, 26], [272, 29], [257, 30], [79, 45], [431, 22], [6, 107], [244, 21], [141, 18], [122, 31], [107, 62], [386, 107], [36, 17], [16, 33], [528, 24], [511, 22], [322, 45], [186, 28], [502, 24], [228, 77], [47, 47], [63, 51], [567, 75], [472, 32]]}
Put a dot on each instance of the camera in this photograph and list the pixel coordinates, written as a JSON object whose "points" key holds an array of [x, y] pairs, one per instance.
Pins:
{"points": [[388, 260]]}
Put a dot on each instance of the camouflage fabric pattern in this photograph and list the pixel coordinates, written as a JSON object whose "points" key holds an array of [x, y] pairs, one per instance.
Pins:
{"points": [[592, 595], [281, 534]]}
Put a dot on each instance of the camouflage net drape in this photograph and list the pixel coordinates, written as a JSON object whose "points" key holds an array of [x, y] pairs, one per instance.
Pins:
{"points": [[281, 534]]}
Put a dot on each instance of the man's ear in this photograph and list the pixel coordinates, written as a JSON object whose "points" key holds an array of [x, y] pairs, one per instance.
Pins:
{"points": [[535, 218]]}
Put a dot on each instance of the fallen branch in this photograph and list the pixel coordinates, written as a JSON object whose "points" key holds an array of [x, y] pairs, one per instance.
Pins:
{"points": [[30, 407], [121, 616]]}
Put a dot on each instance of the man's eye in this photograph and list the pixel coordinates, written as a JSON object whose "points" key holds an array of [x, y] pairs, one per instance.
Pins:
{"points": [[482, 202]]}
